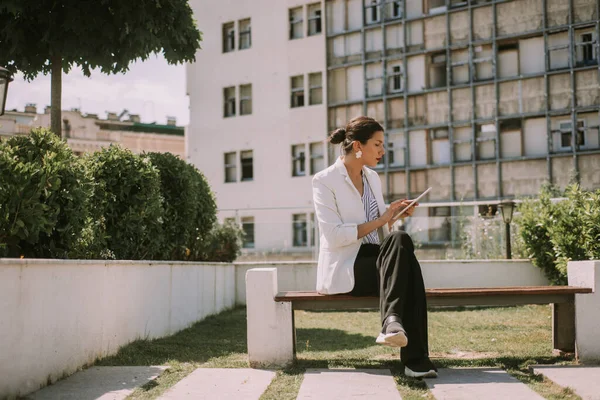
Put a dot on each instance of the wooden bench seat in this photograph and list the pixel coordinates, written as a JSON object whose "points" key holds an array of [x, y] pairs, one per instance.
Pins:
{"points": [[310, 300], [562, 299]]}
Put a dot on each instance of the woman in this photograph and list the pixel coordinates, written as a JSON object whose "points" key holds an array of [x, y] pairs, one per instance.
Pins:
{"points": [[359, 256]]}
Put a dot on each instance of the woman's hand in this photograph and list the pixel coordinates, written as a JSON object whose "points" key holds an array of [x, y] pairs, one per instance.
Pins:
{"points": [[392, 211], [409, 212]]}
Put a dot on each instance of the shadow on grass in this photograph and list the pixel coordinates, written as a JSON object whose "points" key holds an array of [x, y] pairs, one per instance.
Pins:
{"points": [[216, 336], [321, 339]]}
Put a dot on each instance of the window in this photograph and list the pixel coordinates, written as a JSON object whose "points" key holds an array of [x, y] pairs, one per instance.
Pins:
{"points": [[228, 37], [566, 133], [487, 210], [314, 19], [300, 231], [586, 53], [395, 78], [247, 168], [248, 228], [315, 94], [439, 133], [229, 101], [298, 160], [246, 99], [230, 167], [317, 157], [437, 70], [297, 91], [296, 23], [394, 9], [372, 11], [245, 34], [389, 154]]}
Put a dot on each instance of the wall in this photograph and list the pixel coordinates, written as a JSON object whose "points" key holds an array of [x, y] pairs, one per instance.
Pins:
{"points": [[273, 127], [59, 315], [437, 274]]}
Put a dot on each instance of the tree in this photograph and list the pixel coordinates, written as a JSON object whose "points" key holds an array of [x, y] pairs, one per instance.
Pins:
{"points": [[52, 36]]}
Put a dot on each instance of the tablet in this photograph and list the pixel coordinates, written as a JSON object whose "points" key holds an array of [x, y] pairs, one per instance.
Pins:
{"points": [[412, 203]]}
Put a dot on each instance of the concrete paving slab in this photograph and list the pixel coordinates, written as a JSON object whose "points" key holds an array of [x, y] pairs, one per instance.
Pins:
{"points": [[222, 384], [585, 381], [99, 383], [477, 384], [343, 384]]}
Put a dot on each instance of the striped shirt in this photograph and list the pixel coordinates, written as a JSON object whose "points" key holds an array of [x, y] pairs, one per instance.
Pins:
{"points": [[371, 211]]}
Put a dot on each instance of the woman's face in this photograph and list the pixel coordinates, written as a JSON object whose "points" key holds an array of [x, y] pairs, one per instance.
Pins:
{"points": [[373, 151]]}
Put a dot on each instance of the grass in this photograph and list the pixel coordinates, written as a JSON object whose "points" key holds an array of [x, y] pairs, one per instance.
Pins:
{"points": [[512, 338]]}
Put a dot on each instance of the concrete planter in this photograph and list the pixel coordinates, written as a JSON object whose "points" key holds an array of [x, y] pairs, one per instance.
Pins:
{"points": [[57, 316], [587, 309]]}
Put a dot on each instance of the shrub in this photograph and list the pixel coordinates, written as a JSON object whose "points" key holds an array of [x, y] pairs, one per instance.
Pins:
{"points": [[556, 233], [189, 205], [127, 205], [44, 194], [223, 243]]}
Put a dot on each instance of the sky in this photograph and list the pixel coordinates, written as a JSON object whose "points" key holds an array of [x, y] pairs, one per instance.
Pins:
{"points": [[153, 89]]}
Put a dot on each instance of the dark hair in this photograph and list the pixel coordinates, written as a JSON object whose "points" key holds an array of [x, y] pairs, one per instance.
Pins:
{"points": [[359, 128]]}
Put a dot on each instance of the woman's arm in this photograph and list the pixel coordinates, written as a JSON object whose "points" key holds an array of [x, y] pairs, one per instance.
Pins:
{"points": [[330, 222]]}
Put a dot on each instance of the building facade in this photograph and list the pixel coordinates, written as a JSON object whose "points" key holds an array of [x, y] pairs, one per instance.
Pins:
{"points": [[88, 133], [481, 100]]}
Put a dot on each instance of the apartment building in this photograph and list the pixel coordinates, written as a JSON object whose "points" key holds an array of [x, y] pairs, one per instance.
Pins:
{"points": [[481, 100], [89, 133]]}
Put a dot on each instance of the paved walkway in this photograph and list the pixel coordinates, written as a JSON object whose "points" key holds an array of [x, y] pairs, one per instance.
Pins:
{"points": [[585, 381], [479, 383], [115, 383], [105, 383], [343, 384], [222, 384]]}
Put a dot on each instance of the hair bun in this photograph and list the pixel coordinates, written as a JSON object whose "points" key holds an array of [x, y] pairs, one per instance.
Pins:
{"points": [[337, 136]]}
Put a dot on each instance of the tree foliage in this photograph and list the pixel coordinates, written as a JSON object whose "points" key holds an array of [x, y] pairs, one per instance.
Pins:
{"points": [[52, 36]]}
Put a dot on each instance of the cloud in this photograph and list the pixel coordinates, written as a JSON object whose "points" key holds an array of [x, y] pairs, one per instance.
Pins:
{"points": [[152, 89]]}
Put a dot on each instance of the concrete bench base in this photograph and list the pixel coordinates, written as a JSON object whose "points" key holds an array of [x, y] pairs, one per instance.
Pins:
{"points": [[270, 313]]}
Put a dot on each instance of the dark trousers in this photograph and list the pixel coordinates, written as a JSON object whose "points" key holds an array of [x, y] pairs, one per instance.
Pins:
{"points": [[392, 272]]}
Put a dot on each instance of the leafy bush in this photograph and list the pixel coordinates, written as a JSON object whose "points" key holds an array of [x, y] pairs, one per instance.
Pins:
{"points": [[189, 205], [127, 205], [223, 243], [44, 195], [556, 233]]}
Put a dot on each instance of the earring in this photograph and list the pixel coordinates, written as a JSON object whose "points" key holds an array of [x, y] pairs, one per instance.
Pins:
{"points": [[359, 154]]}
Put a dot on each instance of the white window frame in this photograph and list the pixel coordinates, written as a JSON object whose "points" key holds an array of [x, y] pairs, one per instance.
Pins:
{"points": [[230, 166], [248, 221], [396, 75], [242, 178], [246, 100], [312, 89], [314, 156], [247, 33], [569, 131], [580, 48], [316, 19], [229, 103], [229, 39], [296, 91], [300, 225], [293, 22], [298, 160]]}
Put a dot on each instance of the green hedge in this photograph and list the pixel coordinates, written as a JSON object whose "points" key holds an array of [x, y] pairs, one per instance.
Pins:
{"points": [[558, 232], [189, 206], [44, 194], [112, 204]]}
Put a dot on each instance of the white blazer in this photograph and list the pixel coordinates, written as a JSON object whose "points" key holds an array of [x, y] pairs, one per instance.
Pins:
{"points": [[340, 210]]}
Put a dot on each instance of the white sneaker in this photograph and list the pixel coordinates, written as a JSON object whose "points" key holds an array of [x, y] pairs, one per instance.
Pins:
{"points": [[414, 374], [396, 339]]}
